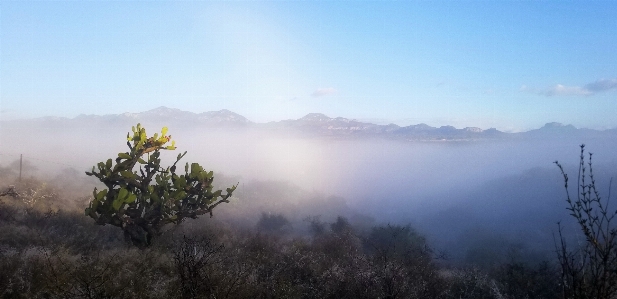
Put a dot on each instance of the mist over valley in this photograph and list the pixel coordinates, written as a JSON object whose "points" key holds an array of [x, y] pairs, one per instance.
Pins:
{"points": [[308, 149], [464, 189]]}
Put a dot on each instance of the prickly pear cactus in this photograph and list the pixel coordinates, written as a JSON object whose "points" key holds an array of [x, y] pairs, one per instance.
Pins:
{"points": [[141, 200]]}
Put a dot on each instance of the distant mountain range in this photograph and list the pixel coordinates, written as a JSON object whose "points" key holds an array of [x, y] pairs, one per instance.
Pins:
{"points": [[317, 125]]}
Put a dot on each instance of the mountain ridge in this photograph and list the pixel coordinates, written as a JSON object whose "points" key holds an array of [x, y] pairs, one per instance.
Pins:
{"points": [[319, 124]]}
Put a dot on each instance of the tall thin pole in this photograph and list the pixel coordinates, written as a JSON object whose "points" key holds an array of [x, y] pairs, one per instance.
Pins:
{"points": [[20, 161]]}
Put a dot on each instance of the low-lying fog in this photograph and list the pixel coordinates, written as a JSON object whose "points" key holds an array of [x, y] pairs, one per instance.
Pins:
{"points": [[476, 193]]}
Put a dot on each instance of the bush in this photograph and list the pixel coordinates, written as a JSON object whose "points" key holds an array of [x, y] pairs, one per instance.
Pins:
{"points": [[273, 222], [141, 203], [591, 270]]}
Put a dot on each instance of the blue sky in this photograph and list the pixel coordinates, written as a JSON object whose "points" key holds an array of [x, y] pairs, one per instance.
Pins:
{"points": [[512, 65]]}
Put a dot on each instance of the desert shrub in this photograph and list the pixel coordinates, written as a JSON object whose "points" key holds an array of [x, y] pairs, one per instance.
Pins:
{"points": [[142, 203], [395, 241], [274, 223], [589, 271], [340, 244], [402, 262], [340, 226], [21, 273], [68, 229], [316, 226], [470, 283], [30, 194], [106, 274], [205, 269], [520, 280], [262, 254]]}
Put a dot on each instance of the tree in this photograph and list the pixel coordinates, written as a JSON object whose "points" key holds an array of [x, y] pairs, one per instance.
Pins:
{"points": [[142, 202], [276, 222], [402, 262], [591, 270]]}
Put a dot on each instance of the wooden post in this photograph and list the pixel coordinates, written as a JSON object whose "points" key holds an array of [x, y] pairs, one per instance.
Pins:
{"points": [[20, 162]]}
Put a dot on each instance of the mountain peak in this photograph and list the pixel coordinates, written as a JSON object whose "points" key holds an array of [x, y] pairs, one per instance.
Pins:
{"points": [[557, 125], [162, 110], [223, 116], [553, 125], [473, 130], [316, 117]]}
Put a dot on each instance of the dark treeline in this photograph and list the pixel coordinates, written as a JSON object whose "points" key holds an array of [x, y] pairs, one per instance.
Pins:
{"points": [[49, 249]]}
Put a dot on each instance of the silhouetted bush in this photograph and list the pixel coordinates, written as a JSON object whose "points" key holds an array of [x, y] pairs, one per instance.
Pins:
{"points": [[519, 280], [470, 284], [589, 271], [402, 262], [276, 222], [341, 225]]}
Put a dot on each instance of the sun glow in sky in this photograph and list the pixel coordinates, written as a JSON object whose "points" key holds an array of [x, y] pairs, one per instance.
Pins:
{"points": [[512, 65]]}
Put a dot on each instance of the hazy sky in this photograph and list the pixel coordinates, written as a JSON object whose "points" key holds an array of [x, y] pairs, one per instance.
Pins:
{"points": [[513, 65]]}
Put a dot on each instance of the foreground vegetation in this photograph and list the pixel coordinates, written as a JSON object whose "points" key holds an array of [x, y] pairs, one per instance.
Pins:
{"points": [[48, 249], [142, 203]]}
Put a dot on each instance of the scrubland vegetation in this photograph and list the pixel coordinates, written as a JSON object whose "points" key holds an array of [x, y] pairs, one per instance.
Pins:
{"points": [[49, 249], [271, 239]]}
